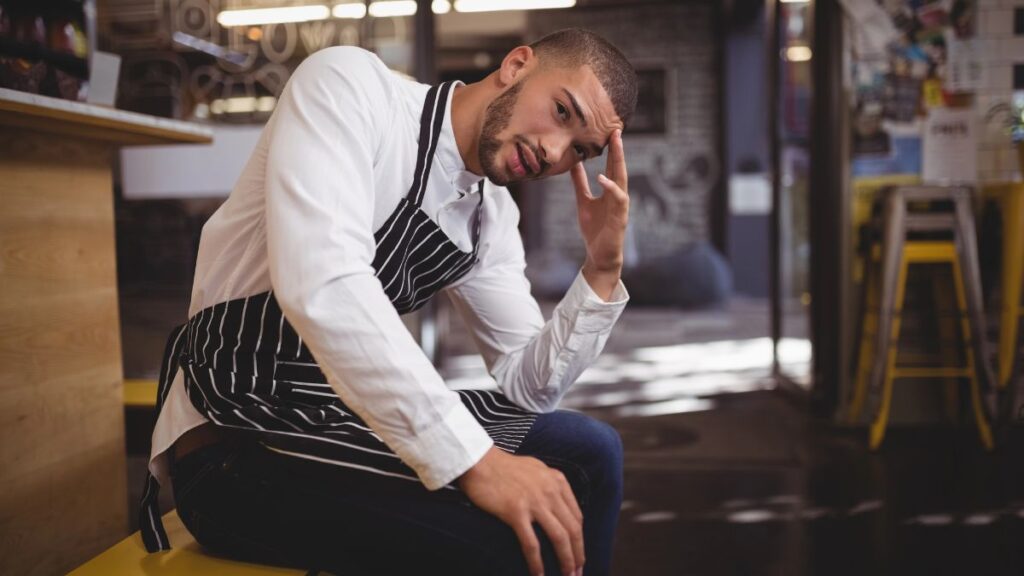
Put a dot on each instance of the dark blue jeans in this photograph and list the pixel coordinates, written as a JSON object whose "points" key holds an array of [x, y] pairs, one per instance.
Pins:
{"points": [[241, 500]]}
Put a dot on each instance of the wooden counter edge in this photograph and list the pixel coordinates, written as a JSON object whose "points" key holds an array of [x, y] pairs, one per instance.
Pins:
{"points": [[76, 119]]}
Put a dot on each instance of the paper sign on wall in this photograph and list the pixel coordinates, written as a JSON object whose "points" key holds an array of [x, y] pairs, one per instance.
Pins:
{"points": [[964, 69], [950, 148]]}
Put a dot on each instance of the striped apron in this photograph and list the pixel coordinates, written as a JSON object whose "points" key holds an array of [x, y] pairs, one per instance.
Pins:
{"points": [[246, 368]]}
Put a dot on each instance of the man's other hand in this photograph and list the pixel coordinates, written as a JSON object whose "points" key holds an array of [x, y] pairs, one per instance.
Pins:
{"points": [[521, 490]]}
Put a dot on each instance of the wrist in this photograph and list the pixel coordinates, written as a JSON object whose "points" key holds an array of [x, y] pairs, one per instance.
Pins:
{"points": [[602, 281], [603, 268], [479, 470]]}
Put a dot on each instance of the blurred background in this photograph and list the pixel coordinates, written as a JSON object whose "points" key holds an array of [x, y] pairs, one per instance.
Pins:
{"points": [[818, 369]]}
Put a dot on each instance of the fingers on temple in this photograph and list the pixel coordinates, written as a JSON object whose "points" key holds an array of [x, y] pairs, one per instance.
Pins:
{"points": [[612, 189], [580, 182], [616, 166]]}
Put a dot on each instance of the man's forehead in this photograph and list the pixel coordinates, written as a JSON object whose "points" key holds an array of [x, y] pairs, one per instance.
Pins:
{"points": [[582, 87]]}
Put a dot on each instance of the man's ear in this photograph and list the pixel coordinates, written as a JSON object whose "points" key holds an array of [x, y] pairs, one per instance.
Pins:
{"points": [[516, 64]]}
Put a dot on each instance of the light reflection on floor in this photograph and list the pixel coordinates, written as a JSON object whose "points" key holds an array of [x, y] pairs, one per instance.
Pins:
{"points": [[657, 380]]}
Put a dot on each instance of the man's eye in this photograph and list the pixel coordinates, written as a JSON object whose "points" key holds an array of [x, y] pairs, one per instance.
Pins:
{"points": [[581, 152], [563, 112]]}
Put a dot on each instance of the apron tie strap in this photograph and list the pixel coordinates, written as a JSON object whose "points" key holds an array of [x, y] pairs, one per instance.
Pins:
{"points": [[153, 534]]}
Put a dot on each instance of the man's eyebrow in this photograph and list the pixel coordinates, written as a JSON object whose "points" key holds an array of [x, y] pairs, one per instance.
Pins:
{"points": [[575, 106], [595, 149]]}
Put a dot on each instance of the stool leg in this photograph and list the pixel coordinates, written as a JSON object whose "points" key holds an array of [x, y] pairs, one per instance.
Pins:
{"points": [[967, 252], [984, 430], [1013, 269], [869, 328], [877, 432], [892, 256]]}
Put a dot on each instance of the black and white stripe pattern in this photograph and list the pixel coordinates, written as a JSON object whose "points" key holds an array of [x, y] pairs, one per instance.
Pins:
{"points": [[246, 368], [414, 258]]}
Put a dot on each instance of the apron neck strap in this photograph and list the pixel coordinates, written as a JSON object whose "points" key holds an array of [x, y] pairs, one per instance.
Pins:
{"points": [[431, 121]]}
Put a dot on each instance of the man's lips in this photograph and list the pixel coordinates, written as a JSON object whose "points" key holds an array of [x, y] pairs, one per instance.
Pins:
{"points": [[525, 162], [528, 159], [517, 165]]}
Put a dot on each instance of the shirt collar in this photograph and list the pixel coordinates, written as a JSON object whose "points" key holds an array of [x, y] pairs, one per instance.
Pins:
{"points": [[447, 153]]}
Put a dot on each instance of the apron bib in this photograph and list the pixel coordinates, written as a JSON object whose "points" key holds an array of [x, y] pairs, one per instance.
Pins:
{"points": [[246, 368]]}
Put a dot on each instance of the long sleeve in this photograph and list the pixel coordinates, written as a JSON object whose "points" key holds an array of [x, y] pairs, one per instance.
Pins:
{"points": [[319, 211], [534, 362]]}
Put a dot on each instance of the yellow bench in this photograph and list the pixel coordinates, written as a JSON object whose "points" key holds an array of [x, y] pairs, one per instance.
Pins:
{"points": [[129, 556], [140, 393]]}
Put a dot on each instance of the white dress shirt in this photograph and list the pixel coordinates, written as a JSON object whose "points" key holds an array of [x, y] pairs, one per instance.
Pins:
{"points": [[330, 166]]}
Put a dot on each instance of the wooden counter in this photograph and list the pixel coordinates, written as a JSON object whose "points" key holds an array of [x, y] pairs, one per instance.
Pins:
{"points": [[63, 495]]}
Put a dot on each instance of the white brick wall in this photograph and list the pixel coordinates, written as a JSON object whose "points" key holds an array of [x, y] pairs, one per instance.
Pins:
{"points": [[1000, 50]]}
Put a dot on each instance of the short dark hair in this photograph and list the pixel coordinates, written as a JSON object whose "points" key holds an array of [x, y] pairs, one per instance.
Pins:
{"points": [[575, 47]]}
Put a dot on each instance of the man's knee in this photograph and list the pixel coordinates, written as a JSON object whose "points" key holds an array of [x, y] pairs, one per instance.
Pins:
{"points": [[587, 442], [603, 441]]}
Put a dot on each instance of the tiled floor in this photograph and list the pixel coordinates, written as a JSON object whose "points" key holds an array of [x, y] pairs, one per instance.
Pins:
{"points": [[753, 487]]}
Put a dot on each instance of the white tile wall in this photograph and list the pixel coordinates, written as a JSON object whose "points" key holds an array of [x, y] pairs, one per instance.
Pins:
{"points": [[998, 22], [1011, 49], [1000, 49], [986, 161]]}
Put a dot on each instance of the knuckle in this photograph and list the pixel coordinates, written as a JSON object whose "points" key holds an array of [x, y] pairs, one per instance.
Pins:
{"points": [[560, 537]]}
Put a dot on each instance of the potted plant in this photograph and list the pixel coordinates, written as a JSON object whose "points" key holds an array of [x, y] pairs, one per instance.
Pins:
{"points": [[1011, 116]]}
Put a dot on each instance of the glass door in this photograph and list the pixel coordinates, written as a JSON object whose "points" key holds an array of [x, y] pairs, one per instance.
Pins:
{"points": [[790, 132]]}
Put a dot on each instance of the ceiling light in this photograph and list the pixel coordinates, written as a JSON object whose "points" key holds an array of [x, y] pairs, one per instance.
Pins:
{"points": [[266, 104], [496, 5], [798, 53], [386, 8], [353, 10], [258, 16]]}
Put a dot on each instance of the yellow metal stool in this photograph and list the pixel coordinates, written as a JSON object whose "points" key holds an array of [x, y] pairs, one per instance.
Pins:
{"points": [[947, 215]]}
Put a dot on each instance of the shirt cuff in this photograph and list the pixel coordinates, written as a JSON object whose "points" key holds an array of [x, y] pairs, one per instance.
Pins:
{"points": [[448, 449], [592, 313]]}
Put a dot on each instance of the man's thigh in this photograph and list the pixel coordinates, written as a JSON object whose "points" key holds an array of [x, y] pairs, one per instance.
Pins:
{"points": [[249, 502], [254, 504]]}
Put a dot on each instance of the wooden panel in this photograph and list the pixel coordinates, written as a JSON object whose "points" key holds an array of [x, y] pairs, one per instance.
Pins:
{"points": [[63, 495]]}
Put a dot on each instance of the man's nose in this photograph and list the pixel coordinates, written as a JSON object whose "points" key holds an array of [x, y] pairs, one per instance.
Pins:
{"points": [[554, 149]]}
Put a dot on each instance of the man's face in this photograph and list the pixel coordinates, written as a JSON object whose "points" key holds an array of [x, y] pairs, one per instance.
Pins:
{"points": [[540, 126]]}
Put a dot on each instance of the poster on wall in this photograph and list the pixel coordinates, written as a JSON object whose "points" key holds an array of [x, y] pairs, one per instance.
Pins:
{"points": [[649, 117], [950, 147]]}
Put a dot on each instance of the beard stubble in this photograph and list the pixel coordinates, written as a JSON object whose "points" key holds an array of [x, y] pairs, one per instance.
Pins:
{"points": [[496, 119]]}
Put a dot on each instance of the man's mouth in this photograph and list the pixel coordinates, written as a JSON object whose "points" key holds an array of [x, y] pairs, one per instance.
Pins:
{"points": [[526, 160]]}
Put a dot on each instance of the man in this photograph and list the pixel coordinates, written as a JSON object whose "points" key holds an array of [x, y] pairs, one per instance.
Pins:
{"points": [[299, 421]]}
